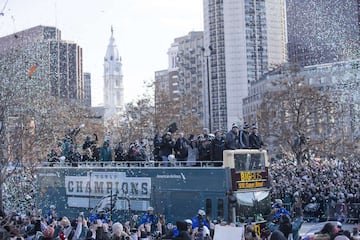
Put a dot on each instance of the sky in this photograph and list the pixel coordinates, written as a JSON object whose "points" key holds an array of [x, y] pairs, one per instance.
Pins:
{"points": [[143, 30]]}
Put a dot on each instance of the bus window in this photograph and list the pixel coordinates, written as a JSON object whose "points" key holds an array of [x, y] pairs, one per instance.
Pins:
{"points": [[208, 208], [249, 162], [220, 208]]}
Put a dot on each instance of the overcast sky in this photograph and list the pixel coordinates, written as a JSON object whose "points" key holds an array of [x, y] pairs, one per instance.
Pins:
{"points": [[143, 31]]}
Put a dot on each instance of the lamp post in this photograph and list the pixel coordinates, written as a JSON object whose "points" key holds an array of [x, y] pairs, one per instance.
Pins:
{"points": [[207, 55]]}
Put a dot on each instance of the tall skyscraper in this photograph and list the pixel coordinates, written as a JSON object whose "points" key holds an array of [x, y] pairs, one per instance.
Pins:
{"points": [[113, 80], [53, 61], [87, 89], [235, 41], [276, 32], [322, 31]]}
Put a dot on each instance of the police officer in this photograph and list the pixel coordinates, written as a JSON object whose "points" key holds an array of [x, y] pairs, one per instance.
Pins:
{"points": [[150, 217]]}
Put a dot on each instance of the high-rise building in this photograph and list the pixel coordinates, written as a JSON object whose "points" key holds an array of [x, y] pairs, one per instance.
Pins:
{"points": [[35, 60], [56, 63], [87, 89], [235, 40], [322, 31], [276, 32], [113, 80], [316, 33], [183, 80]]}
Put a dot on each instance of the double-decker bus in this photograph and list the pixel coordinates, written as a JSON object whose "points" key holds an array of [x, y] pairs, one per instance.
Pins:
{"points": [[250, 196], [232, 193]]}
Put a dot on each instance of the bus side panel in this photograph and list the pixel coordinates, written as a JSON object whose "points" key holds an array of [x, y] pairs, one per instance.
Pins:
{"points": [[178, 193]]}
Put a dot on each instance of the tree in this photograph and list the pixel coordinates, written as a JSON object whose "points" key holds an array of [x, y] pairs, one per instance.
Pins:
{"points": [[298, 119], [31, 122], [179, 109], [142, 119]]}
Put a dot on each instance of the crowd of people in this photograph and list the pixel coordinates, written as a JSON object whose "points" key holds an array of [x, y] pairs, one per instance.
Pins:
{"points": [[187, 150], [50, 226], [150, 226], [323, 189]]}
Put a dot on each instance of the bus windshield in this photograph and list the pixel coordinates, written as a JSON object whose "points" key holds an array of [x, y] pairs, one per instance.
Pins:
{"points": [[252, 204]]}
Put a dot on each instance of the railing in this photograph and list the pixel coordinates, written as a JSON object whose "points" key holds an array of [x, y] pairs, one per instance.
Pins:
{"points": [[127, 164], [351, 214], [331, 213]]}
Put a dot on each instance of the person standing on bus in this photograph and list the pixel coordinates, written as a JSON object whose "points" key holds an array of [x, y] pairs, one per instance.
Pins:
{"points": [[244, 137], [166, 148], [204, 144], [105, 152], [193, 152], [232, 139], [217, 148], [255, 140], [181, 149], [255, 143]]}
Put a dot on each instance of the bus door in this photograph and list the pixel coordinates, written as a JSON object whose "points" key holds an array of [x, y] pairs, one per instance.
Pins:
{"points": [[215, 206]]}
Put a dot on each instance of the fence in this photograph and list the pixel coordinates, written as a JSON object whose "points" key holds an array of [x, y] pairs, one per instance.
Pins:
{"points": [[331, 212]]}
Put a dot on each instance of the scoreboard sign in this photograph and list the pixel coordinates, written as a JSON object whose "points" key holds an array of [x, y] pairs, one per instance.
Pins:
{"points": [[249, 179]]}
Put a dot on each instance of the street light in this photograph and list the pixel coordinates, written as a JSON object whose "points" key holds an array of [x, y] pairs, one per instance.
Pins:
{"points": [[208, 80]]}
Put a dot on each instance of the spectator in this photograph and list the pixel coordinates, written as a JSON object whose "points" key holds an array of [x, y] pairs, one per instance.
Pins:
{"points": [[118, 232], [244, 137], [157, 144], [277, 235], [193, 152], [183, 231], [181, 149], [296, 224], [66, 147], [150, 218], [142, 150], [285, 225], [52, 214], [204, 145], [89, 142], [133, 152], [67, 231], [279, 210], [232, 139], [166, 148], [105, 152], [355, 234], [119, 152], [200, 220], [217, 148], [326, 232], [255, 140], [250, 233]]}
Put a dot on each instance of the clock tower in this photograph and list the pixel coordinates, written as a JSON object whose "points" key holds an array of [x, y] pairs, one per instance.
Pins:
{"points": [[113, 80]]}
